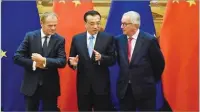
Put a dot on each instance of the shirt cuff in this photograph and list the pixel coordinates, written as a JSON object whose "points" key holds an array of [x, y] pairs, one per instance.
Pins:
{"points": [[44, 65], [34, 66], [74, 67]]}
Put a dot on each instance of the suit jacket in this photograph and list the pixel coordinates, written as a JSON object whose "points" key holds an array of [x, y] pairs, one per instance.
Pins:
{"points": [[145, 68], [89, 73], [56, 59]]}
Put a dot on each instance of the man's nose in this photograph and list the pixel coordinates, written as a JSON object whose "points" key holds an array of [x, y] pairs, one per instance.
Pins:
{"points": [[53, 27], [95, 26]]}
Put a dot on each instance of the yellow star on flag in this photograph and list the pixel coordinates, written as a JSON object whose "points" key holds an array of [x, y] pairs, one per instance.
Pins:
{"points": [[2, 54], [76, 2], [191, 2], [177, 1], [154, 3], [62, 1]]}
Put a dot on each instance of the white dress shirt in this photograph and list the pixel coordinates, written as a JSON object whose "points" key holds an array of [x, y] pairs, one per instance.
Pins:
{"points": [[133, 42], [94, 40], [43, 38], [42, 41]]}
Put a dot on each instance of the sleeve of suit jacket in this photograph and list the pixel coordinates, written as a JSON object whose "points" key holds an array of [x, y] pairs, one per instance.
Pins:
{"points": [[72, 53], [109, 58], [21, 55], [157, 59], [60, 60]]}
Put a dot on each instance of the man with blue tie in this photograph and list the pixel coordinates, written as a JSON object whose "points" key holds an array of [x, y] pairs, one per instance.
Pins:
{"points": [[41, 53], [91, 53], [141, 65]]}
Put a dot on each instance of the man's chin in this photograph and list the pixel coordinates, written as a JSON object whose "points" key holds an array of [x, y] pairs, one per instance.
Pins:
{"points": [[95, 32], [52, 33]]}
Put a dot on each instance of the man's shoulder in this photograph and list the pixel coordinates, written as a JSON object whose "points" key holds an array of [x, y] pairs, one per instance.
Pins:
{"points": [[58, 36], [105, 34], [79, 35], [146, 35], [119, 37], [32, 33]]}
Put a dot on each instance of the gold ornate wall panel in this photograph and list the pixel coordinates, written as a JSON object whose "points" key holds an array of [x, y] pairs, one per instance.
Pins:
{"points": [[103, 6]]}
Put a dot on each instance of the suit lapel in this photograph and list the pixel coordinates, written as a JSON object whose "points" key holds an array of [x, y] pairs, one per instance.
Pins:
{"points": [[137, 49], [97, 44], [125, 47], [38, 42], [51, 44], [84, 46]]}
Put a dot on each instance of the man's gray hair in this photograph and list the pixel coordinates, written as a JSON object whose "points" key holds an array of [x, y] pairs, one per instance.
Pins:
{"points": [[47, 14], [134, 16]]}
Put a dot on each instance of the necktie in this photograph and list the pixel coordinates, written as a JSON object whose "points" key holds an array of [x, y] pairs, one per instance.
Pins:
{"points": [[129, 48], [45, 47], [44, 53], [90, 46]]}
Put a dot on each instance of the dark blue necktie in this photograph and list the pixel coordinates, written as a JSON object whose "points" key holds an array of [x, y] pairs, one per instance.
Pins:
{"points": [[44, 54], [45, 47]]}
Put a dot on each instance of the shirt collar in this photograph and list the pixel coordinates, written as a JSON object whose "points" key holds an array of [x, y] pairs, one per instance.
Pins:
{"points": [[135, 36], [89, 35], [43, 35]]}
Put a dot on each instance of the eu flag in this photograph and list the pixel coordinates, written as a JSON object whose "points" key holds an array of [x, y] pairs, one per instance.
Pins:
{"points": [[113, 26], [18, 17]]}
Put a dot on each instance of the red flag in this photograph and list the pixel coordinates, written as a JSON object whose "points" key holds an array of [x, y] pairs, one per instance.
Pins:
{"points": [[179, 44], [70, 22]]}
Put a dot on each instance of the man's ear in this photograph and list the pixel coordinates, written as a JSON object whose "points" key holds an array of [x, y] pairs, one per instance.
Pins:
{"points": [[41, 23], [85, 25]]}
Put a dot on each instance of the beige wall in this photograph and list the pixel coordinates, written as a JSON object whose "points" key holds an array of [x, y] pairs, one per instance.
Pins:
{"points": [[103, 7]]}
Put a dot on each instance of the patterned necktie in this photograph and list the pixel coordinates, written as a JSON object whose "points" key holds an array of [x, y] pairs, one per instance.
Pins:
{"points": [[129, 48], [45, 47], [90, 46]]}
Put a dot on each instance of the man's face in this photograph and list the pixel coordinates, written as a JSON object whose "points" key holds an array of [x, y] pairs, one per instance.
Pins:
{"points": [[127, 27], [93, 24], [49, 25]]}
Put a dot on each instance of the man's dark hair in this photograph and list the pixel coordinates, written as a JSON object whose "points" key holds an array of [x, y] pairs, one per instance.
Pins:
{"points": [[92, 13]]}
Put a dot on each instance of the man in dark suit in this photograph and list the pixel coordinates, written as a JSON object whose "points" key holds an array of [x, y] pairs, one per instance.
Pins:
{"points": [[91, 53], [141, 65], [41, 53]]}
